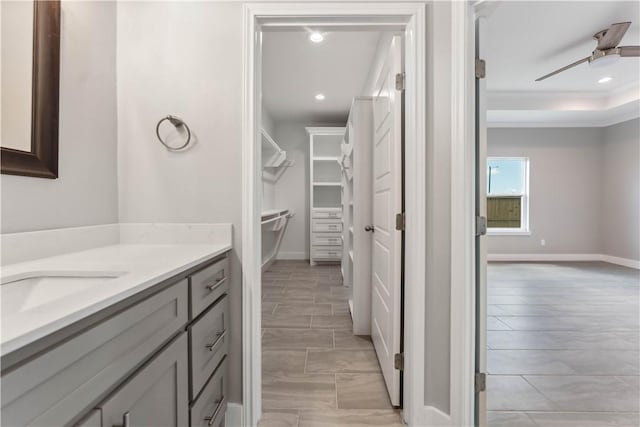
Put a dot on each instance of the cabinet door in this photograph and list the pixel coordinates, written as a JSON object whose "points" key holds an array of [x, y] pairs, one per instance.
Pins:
{"points": [[156, 395]]}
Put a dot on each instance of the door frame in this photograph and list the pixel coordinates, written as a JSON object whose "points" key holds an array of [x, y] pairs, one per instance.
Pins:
{"points": [[264, 15], [476, 13]]}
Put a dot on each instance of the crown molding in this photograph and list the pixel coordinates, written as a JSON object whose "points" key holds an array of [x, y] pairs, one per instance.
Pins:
{"points": [[563, 109]]}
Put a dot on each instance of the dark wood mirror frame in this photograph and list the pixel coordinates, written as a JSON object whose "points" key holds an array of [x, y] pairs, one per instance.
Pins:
{"points": [[42, 160]]}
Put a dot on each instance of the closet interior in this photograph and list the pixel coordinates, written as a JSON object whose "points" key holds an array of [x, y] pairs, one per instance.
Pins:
{"points": [[318, 225]]}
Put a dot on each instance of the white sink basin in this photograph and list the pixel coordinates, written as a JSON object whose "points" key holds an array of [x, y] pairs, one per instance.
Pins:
{"points": [[28, 291]]}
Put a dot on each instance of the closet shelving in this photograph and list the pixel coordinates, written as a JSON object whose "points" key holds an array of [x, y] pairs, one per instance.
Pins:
{"points": [[274, 158], [325, 193]]}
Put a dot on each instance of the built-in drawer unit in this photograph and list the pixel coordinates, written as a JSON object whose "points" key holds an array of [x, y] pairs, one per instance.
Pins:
{"points": [[209, 284], [57, 387], [209, 343], [326, 226], [329, 253], [209, 409], [326, 239], [326, 214]]}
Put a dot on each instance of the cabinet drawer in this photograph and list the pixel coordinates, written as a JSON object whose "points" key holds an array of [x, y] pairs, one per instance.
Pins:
{"points": [[56, 387], [326, 239], [209, 284], [209, 343], [156, 395], [327, 214], [327, 226], [210, 408], [326, 253]]}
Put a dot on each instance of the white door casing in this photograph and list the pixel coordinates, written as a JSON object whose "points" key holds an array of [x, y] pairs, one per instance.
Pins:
{"points": [[387, 202], [411, 16]]}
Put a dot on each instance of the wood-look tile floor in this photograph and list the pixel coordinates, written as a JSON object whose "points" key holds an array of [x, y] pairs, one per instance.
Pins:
{"points": [[315, 372], [563, 345]]}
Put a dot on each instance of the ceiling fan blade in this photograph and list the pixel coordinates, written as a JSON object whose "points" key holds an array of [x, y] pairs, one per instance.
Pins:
{"points": [[563, 69], [613, 35], [629, 50]]}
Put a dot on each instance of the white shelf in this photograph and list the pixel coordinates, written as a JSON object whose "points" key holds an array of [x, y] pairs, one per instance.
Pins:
{"points": [[279, 155], [326, 159], [327, 184], [274, 158]]}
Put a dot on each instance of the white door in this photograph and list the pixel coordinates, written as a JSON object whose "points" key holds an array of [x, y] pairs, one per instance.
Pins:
{"points": [[481, 241], [387, 202]]}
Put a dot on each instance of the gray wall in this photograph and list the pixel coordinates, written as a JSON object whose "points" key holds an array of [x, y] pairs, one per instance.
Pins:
{"points": [[86, 191], [565, 180], [584, 189], [184, 58], [621, 190], [292, 189]]}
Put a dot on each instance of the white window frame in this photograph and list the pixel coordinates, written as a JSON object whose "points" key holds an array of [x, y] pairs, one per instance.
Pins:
{"points": [[524, 229]]}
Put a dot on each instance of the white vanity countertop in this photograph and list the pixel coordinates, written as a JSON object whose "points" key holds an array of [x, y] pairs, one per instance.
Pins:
{"points": [[29, 316]]}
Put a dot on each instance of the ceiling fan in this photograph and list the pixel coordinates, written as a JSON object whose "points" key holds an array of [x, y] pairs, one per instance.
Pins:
{"points": [[607, 51]]}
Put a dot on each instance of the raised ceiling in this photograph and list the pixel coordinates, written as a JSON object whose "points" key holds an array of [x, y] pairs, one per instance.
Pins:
{"points": [[295, 70], [526, 40]]}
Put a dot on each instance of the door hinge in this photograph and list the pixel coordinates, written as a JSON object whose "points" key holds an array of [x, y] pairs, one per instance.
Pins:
{"points": [[481, 225], [400, 221], [400, 81], [481, 69], [480, 382], [398, 361]]}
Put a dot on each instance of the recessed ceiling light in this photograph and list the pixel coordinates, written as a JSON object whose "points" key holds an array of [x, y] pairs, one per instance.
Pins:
{"points": [[605, 80], [316, 37], [319, 97]]}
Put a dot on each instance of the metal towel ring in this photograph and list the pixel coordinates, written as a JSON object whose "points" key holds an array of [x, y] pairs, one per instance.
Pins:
{"points": [[177, 122]]}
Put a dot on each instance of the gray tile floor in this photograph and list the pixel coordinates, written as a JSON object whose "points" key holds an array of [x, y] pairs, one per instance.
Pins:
{"points": [[563, 345], [315, 371]]}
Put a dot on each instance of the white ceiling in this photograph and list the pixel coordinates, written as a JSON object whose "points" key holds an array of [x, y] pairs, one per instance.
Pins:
{"points": [[526, 40], [295, 70]]}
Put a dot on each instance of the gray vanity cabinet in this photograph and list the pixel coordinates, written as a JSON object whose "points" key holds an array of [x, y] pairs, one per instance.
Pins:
{"points": [[156, 395], [149, 362]]}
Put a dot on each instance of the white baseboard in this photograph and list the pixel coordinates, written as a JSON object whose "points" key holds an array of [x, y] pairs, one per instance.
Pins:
{"points": [[434, 417], [563, 257], [631, 263], [292, 255], [233, 417], [544, 257]]}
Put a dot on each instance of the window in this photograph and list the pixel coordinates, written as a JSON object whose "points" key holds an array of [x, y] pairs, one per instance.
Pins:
{"points": [[508, 195]]}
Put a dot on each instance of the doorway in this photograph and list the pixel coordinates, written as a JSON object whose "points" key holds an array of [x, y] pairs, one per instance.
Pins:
{"points": [[331, 318], [557, 319], [405, 19]]}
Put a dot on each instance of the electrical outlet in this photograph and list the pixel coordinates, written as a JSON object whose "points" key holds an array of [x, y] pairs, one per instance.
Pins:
{"points": [[543, 242]]}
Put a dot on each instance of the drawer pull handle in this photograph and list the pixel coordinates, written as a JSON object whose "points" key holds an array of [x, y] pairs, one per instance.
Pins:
{"points": [[210, 419], [215, 285], [219, 337]]}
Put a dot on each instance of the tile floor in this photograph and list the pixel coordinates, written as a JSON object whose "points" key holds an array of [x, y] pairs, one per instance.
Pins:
{"points": [[563, 345], [315, 371]]}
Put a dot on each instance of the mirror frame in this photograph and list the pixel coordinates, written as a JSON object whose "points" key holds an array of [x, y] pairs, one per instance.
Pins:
{"points": [[42, 160]]}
